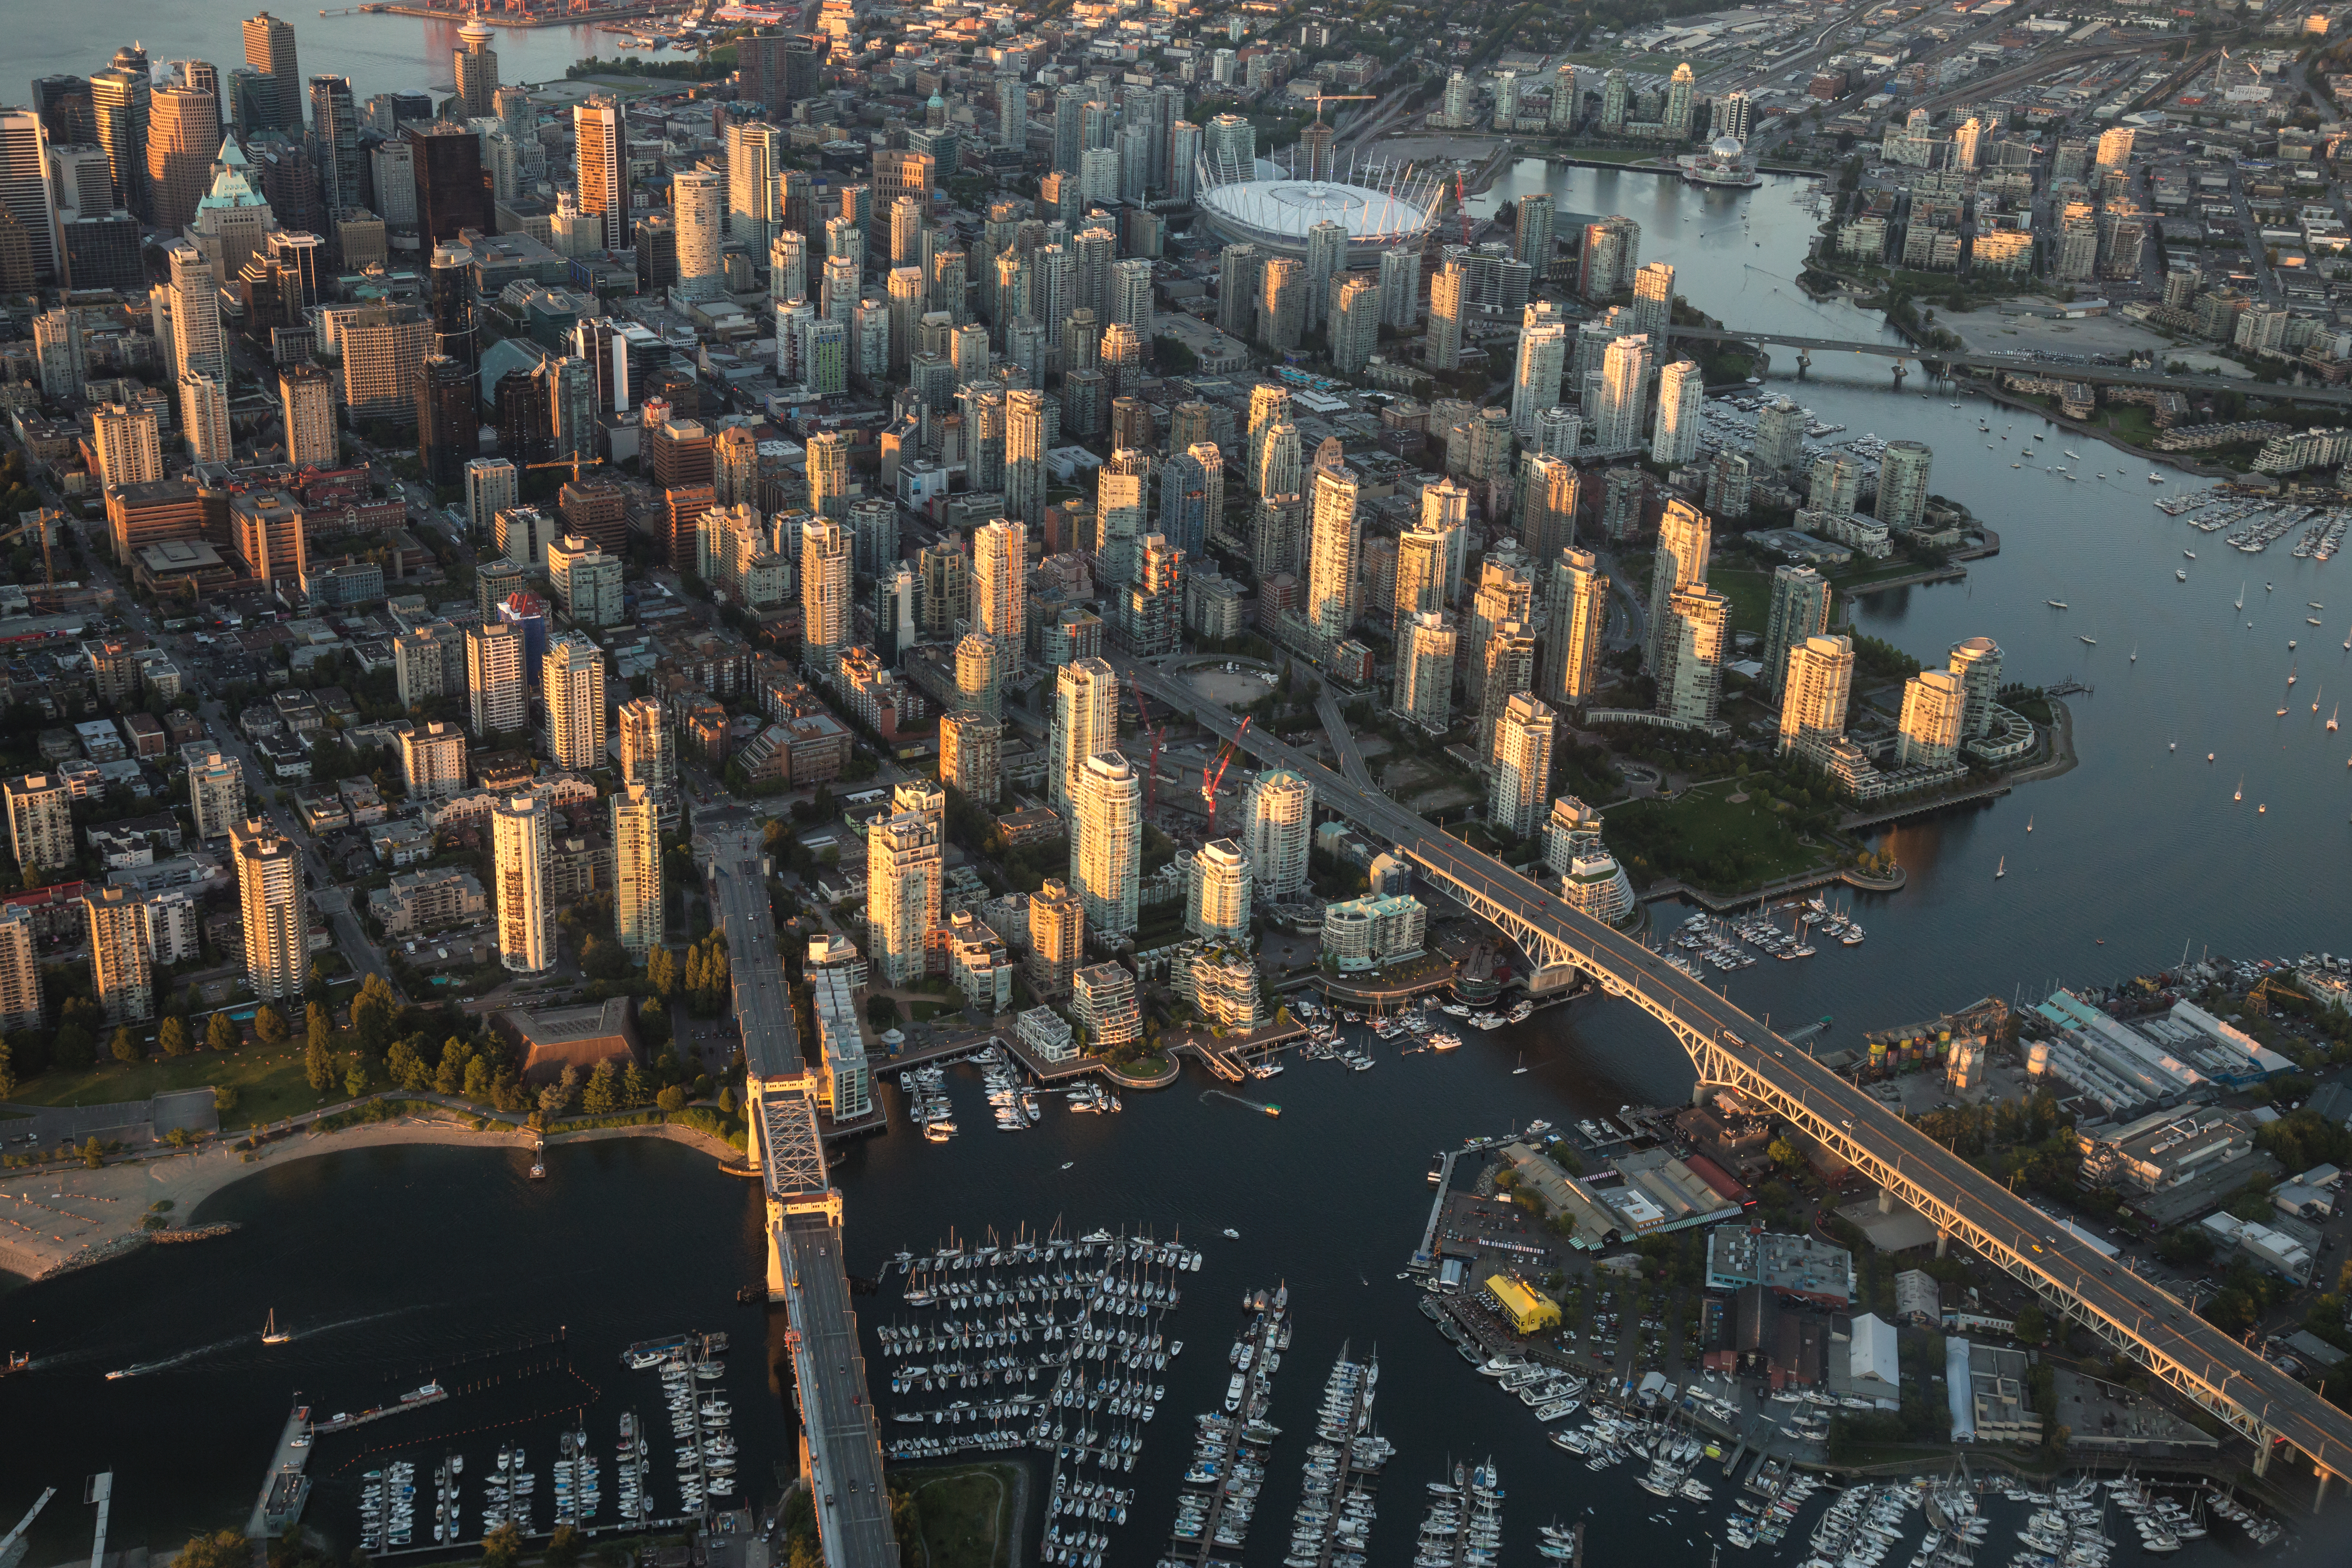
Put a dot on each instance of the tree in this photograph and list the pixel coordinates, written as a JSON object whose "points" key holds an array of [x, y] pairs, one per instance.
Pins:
{"points": [[1787, 1156], [556, 1098], [222, 1549], [672, 1098], [563, 1547], [2032, 1323], [502, 1547], [127, 1048], [172, 1037], [222, 1034], [355, 1079], [8, 1071], [373, 1012], [74, 1048], [408, 1069], [318, 1065], [225, 1098], [636, 1091], [601, 1094], [269, 1026], [92, 1155]]}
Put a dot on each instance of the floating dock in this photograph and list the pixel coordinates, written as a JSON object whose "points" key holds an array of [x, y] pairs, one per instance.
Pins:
{"points": [[286, 1486]]}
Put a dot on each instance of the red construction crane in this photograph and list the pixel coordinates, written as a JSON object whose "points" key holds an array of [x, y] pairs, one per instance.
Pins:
{"points": [[1151, 779], [1209, 780], [1461, 205]]}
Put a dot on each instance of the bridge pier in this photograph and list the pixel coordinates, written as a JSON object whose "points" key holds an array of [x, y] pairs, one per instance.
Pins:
{"points": [[1898, 376], [1943, 1241], [779, 1284], [2261, 1453], [2320, 1498], [1804, 363]]}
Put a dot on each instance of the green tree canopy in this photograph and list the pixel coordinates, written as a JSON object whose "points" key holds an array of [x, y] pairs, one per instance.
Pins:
{"points": [[222, 1034], [127, 1048]]}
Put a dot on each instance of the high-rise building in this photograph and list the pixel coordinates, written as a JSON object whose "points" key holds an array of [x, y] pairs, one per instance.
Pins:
{"points": [[335, 145], [129, 449], [1654, 299], [1552, 490], [1682, 396], [1814, 691], [20, 974], [1085, 722], [1935, 704], [1424, 693], [270, 49], [1239, 284], [828, 475], [1543, 361], [1505, 593], [1903, 485], [1192, 496], [903, 873], [199, 347], [602, 185], [183, 135], [1779, 436], [1106, 842], [698, 201], [1800, 610], [308, 400], [1617, 414], [648, 756], [571, 682], [971, 755], [980, 675], [999, 597], [1685, 537], [1282, 302], [1531, 234], [1278, 831], [1441, 348], [433, 761], [636, 870], [495, 680], [1421, 570], [1506, 667], [1977, 661], [203, 418], [1057, 944], [1334, 541], [119, 964], [215, 789], [1217, 892], [520, 847], [826, 578], [275, 907], [2115, 149], [25, 194], [40, 824], [1518, 792], [1834, 484], [1024, 457], [1690, 672], [121, 98], [1576, 628]]}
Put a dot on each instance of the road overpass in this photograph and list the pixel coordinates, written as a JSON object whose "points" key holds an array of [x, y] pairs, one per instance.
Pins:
{"points": [[1732, 1051], [841, 1445], [2110, 375]]}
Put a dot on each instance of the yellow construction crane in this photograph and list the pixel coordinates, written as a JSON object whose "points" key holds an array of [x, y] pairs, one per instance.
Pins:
{"points": [[575, 463]]}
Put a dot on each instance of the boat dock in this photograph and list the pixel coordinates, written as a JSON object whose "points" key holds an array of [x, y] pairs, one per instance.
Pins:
{"points": [[1352, 1477], [345, 1422], [1205, 1548], [1426, 1255], [286, 1486]]}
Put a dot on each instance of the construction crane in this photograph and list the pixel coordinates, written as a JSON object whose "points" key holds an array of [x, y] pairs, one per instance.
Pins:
{"points": [[1151, 779], [575, 462], [40, 521], [1461, 205], [1209, 780]]}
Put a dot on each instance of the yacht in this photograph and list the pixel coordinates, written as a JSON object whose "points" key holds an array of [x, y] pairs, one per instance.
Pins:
{"points": [[2058, 603]]}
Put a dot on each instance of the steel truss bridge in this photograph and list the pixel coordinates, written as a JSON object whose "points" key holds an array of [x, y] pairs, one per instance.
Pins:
{"points": [[841, 1447], [2335, 396], [1733, 1051]]}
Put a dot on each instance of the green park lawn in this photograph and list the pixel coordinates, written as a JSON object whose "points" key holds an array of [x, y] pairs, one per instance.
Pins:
{"points": [[269, 1084], [1704, 838], [1751, 594], [965, 1517]]}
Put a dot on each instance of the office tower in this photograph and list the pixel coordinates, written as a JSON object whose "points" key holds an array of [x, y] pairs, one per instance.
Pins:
{"points": [[1653, 300], [826, 562], [121, 966], [307, 399], [215, 789], [1057, 938], [1334, 543], [1690, 672], [525, 912], [1685, 538], [572, 681], [183, 135], [478, 71], [1815, 684], [1535, 385], [335, 144], [1442, 345], [40, 824], [446, 429], [1682, 394], [903, 873], [1218, 892], [451, 192], [1977, 661], [999, 594], [270, 49], [1935, 705], [128, 445], [25, 194], [1085, 722], [1519, 791], [696, 199], [1576, 629], [1903, 485], [1833, 485], [1800, 610], [203, 418], [1282, 302], [20, 974], [1617, 414], [433, 761], [120, 99], [638, 891], [1024, 457], [828, 475], [494, 678], [270, 898], [755, 213], [1553, 488], [601, 188], [1106, 842], [971, 755], [1423, 690]]}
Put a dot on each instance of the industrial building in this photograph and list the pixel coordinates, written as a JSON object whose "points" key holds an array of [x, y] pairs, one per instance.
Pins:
{"points": [[1792, 1266]]}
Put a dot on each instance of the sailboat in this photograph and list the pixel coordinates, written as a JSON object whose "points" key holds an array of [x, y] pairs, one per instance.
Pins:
{"points": [[271, 1335], [2331, 716], [2135, 657], [2028, 824], [2000, 871], [2240, 793], [1522, 1067]]}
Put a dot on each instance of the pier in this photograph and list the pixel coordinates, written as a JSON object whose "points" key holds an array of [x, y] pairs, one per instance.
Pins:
{"points": [[286, 1486], [1354, 1477], [1201, 1549]]}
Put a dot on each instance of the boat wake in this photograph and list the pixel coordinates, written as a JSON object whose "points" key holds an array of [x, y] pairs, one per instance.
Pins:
{"points": [[300, 1334], [140, 1369]]}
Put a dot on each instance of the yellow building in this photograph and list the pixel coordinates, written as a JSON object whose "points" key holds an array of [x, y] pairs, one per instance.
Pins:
{"points": [[1530, 1312]]}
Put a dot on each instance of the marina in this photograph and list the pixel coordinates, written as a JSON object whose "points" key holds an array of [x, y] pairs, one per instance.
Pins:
{"points": [[1223, 1484]]}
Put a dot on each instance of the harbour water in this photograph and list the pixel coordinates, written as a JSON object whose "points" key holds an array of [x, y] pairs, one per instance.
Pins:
{"points": [[389, 1261]]}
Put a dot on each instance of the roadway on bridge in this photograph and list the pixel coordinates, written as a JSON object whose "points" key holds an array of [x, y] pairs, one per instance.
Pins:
{"points": [[828, 1367], [2043, 1253]]}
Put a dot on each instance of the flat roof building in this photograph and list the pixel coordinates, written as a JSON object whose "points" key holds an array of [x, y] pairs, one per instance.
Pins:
{"points": [[1789, 1266]]}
